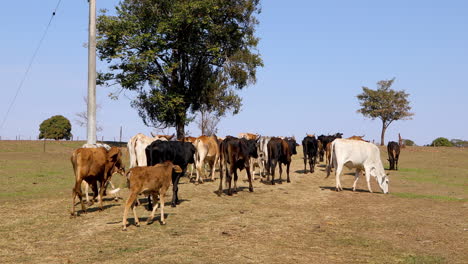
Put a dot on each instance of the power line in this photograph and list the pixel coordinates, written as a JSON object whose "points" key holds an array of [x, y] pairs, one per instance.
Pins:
{"points": [[29, 65]]}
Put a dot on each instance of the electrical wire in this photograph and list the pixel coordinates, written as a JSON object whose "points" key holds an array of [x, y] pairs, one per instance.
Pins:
{"points": [[29, 65]]}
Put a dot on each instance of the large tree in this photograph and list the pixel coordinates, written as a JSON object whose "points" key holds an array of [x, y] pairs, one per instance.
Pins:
{"points": [[180, 56], [384, 103]]}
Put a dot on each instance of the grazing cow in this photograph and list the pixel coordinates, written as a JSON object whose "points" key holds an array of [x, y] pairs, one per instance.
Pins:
{"points": [[207, 151], [248, 136], [136, 149], [152, 180], [94, 165], [360, 155], [280, 151], [358, 138], [237, 153], [179, 153], [324, 140], [393, 149], [310, 149]]}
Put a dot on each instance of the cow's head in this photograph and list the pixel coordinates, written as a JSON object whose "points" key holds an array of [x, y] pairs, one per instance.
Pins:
{"points": [[114, 161], [383, 182], [251, 145], [292, 144]]}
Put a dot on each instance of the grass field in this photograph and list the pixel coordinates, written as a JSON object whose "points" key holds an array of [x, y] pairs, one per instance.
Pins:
{"points": [[424, 219]]}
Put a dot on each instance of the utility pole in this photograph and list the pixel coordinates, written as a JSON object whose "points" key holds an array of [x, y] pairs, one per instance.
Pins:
{"points": [[92, 74]]}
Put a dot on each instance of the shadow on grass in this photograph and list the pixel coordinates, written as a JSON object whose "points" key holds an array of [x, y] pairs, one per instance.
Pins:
{"points": [[344, 189], [239, 189]]}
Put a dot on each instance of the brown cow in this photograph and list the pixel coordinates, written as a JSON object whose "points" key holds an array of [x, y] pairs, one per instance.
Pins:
{"points": [[207, 151], [94, 165], [167, 137], [248, 136], [149, 180]]}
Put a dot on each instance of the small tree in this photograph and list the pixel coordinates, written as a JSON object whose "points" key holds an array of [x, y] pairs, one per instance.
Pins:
{"points": [[208, 122], [82, 117], [384, 103], [56, 127], [441, 142]]}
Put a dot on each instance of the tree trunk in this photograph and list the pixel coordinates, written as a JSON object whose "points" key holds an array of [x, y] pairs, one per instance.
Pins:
{"points": [[180, 126], [382, 137]]}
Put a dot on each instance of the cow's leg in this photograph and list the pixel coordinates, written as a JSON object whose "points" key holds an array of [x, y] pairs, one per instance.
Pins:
{"points": [[130, 203], [101, 194], [356, 178], [155, 199], [339, 168], [175, 188], [273, 167], [220, 189], [95, 190], [305, 164], [228, 178], [396, 161], [199, 164], [77, 192], [212, 166], [311, 164], [367, 171], [280, 172], [161, 202], [235, 179], [287, 171], [250, 181], [86, 190]]}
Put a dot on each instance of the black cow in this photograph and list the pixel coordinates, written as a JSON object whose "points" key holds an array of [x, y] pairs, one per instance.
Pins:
{"points": [[280, 151], [237, 153], [310, 149], [324, 140], [393, 149], [179, 153]]}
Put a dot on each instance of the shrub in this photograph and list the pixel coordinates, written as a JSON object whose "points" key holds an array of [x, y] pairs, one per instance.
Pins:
{"points": [[56, 127], [441, 142], [408, 142]]}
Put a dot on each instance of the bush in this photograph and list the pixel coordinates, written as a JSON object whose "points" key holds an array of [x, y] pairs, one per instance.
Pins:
{"points": [[441, 142], [459, 142], [408, 142], [56, 127]]}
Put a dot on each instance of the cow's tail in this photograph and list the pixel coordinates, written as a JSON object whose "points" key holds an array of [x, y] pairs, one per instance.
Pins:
{"points": [[332, 162]]}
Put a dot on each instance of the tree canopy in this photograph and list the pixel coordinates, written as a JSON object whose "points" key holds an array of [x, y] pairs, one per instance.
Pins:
{"points": [[384, 103], [57, 127], [180, 56]]}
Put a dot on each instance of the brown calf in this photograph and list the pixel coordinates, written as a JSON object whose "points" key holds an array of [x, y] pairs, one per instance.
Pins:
{"points": [[94, 165], [149, 180]]}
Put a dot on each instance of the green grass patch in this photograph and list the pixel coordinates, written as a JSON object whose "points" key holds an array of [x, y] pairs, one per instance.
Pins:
{"points": [[424, 196]]}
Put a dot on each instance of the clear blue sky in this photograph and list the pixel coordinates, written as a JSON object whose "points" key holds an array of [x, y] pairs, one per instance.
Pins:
{"points": [[317, 55]]}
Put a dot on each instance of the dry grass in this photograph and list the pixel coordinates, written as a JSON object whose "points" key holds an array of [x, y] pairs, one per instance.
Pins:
{"points": [[305, 221]]}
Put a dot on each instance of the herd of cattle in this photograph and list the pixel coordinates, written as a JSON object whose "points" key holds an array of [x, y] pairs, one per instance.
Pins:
{"points": [[157, 162]]}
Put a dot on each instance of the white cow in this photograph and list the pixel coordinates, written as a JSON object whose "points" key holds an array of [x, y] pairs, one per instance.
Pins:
{"points": [[136, 149], [360, 155]]}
